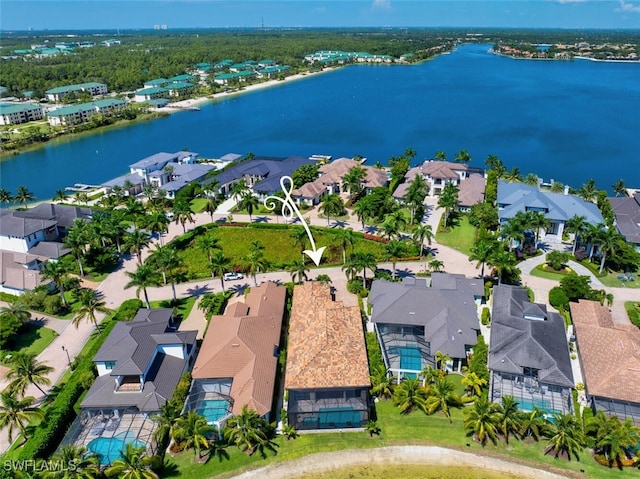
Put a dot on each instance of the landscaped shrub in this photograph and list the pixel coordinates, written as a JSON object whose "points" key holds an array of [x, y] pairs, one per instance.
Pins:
{"points": [[488, 285], [373, 352], [485, 316], [558, 298], [182, 390], [127, 310], [557, 259], [213, 304], [354, 286], [479, 358]]}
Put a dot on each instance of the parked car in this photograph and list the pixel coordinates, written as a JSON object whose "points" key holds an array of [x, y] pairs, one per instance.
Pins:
{"points": [[232, 276]]}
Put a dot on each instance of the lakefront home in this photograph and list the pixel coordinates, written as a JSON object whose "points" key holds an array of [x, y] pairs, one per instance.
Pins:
{"points": [[16, 113], [528, 353], [627, 213], [610, 358], [414, 321], [327, 372], [92, 88], [82, 113]]}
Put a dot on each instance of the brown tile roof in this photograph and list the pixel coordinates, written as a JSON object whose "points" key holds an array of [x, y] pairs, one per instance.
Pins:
{"points": [[610, 352], [243, 347], [326, 347], [442, 169], [471, 190]]}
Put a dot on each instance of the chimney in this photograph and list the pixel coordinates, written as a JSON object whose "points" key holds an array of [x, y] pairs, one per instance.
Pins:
{"points": [[566, 189]]}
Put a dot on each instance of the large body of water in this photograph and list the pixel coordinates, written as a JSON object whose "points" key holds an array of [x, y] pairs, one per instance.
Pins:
{"points": [[569, 121]]}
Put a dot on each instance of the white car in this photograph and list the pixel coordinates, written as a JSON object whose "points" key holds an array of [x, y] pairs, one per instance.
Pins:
{"points": [[232, 276]]}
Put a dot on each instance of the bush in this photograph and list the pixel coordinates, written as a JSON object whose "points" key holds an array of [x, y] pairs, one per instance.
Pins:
{"points": [[213, 304], [53, 304], [127, 310], [485, 316], [558, 298], [488, 285], [557, 259], [354, 286], [479, 358]]}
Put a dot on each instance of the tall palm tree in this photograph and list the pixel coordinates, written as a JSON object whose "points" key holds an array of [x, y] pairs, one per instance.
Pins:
{"points": [[609, 243], [16, 413], [504, 263], [250, 203], [533, 424], [249, 432], [6, 198], [442, 397], [76, 240], [474, 384], [462, 156], [531, 179], [619, 188], [448, 200], [134, 210], [612, 438], [300, 238], [219, 265], [509, 419], [481, 420], [441, 360], [166, 421], [89, 304], [211, 205], [135, 241], [352, 181], [239, 189], [362, 261], [255, 263], [513, 230], [142, 278], [132, 464], [86, 464], [17, 310], [395, 250], [26, 370], [60, 196], [415, 195], [440, 155], [513, 175], [207, 243], [23, 195], [363, 210], [168, 260], [346, 238], [578, 226], [422, 233], [157, 222], [409, 395], [57, 272], [332, 205], [481, 251], [538, 221], [298, 270], [557, 187], [588, 191], [182, 213], [193, 431], [566, 436], [382, 383]]}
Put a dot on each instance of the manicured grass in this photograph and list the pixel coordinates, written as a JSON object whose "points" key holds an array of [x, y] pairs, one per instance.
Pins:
{"points": [[397, 429], [542, 272], [279, 249], [611, 279], [33, 339], [183, 306], [633, 310], [459, 237], [198, 204]]}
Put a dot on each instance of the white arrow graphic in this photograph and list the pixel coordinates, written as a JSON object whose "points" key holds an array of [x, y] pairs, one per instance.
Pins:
{"points": [[289, 208]]}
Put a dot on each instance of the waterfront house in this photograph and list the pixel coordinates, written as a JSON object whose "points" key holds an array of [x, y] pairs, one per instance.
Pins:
{"points": [[558, 208], [327, 373], [93, 88], [609, 354], [139, 366], [82, 113], [331, 176], [438, 173], [528, 353], [17, 113], [627, 212], [150, 93], [471, 191], [414, 321], [238, 359]]}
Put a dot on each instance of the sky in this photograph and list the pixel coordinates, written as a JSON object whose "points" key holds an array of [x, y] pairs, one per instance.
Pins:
{"points": [[127, 14]]}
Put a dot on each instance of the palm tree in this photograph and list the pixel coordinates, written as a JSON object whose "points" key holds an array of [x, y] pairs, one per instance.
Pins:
{"points": [[157, 222], [346, 238], [352, 181], [409, 395], [415, 195], [332, 205], [513, 175], [239, 189], [481, 252], [430, 374], [609, 240], [533, 424], [193, 430], [60, 196], [441, 360], [556, 187], [440, 155], [481, 420], [15, 413], [578, 226], [6, 197], [207, 243], [166, 421], [133, 464], [508, 415], [531, 179], [182, 213], [89, 305], [76, 240], [168, 260], [504, 263], [619, 188], [462, 156], [612, 438], [57, 272], [493, 163], [442, 397], [219, 265], [256, 262], [299, 237], [395, 250], [142, 278], [362, 261], [382, 383], [211, 205], [26, 370], [298, 271], [372, 428], [289, 432], [16, 310], [422, 233], [474, 384], [436, 265], [448, 200], [514, 228], [135, 240], [538, 221], [566, 437], [588, 191], [86, 465], [250, 203], [363, 210], [23, 195], [249, 432], [134, 210]]}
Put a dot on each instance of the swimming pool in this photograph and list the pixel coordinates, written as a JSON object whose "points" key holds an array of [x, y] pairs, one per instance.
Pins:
{"points": [[213, 409], [109, 448], [410, 359]]}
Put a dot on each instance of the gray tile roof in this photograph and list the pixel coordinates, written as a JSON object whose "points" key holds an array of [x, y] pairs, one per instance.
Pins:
{"points": [[271, 167], [185, 174], [515, 197], [448, 315], [49, 250], [64, 215], [161, 159], [627, 211], [517, 342], [12, 224]]}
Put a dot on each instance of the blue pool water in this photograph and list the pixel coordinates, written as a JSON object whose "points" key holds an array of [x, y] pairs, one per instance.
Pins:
{"points": [[545, 406], [339, 417], [213, 409], [410, 358], [109, 448]]}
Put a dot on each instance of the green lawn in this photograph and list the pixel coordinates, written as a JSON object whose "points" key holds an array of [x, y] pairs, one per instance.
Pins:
{"points": [[541, 272], [611, 279], [412, 429], [633, 310], [182, 307], [460, 236], [33, 339], [279, 249]]}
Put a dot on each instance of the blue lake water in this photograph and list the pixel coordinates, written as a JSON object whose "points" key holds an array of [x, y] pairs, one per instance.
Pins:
{"points": [[569, 121]]}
